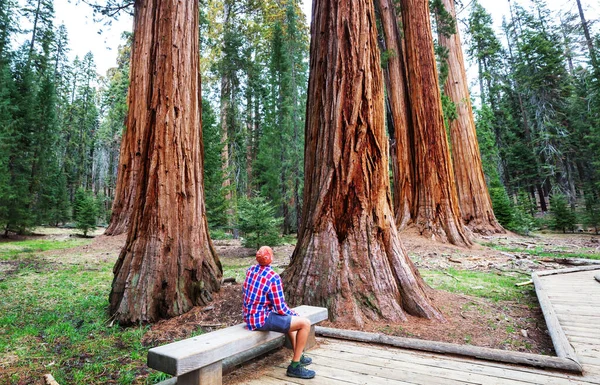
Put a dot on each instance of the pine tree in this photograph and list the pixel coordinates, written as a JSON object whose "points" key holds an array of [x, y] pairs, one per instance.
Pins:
{"points": [[85, 211], [258, 223], [7, 93], [563, 217], [216, 205]]}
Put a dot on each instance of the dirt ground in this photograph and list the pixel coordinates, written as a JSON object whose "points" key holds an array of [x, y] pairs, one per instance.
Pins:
{"points": [[470, 320]]}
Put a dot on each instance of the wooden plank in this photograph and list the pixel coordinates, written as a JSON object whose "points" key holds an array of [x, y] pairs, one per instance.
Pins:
{"points": [[594, 361], [577, 320], [332, 374], [570, 300], [435, 359], [268, 380], [561, 345], [426, 374], [184, 356], [382, 374], [580, 334], [564, 363], [578, 310], [586, 340], [487, 368], [580, 330]]}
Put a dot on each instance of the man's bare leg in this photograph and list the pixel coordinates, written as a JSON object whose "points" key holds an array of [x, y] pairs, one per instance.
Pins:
{"points": [[298, 333]]}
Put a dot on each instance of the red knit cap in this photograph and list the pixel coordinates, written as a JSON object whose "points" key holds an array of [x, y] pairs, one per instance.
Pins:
{"points": [[264, 256]]}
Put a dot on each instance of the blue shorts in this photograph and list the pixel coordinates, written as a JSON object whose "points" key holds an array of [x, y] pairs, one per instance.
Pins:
{"points": [[277, 323]]}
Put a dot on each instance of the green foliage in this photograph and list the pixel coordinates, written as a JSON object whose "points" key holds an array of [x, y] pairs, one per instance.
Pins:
{"points": [[214, 193], [61, 317], [517, 218], [278, 168], [523, 221], [503, 207], [563, 215], [85, 211], [386, 56], [22, 250], [591, 217], [258, 222]]}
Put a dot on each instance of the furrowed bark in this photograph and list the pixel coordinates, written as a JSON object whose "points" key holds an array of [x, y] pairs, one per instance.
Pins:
{"points": [[400, 124], [473, 196], [436, 213], [349, 257], [168, 263]]}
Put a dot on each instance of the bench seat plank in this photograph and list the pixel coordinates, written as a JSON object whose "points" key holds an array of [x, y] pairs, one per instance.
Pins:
{"points": [[193, 353]]}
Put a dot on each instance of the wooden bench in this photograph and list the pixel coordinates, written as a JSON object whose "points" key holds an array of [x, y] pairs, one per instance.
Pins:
{"points": [[201, 360]]}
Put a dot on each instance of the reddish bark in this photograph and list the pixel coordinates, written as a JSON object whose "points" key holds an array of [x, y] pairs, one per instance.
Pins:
{"points": [[435, 211], [349, 256], [400, 125], [473, 196], [168, 263]]}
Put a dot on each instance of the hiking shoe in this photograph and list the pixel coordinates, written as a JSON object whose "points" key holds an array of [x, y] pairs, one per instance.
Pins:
{"points": [[305, 361], [300, 372]]}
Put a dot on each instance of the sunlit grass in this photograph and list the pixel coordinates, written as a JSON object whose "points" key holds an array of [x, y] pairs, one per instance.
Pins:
{"points": [[479, 284], [55, 321], [28, 248], [539, 251]]}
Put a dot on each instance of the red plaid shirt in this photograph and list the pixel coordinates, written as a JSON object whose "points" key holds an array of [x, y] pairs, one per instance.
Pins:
{"points": [[263, 294]]}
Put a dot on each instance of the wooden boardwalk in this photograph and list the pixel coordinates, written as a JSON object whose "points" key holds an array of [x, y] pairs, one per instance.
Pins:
{"points": [[575, 298]]}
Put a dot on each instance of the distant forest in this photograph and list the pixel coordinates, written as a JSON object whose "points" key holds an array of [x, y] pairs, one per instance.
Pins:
{"points": [[536, 103]]}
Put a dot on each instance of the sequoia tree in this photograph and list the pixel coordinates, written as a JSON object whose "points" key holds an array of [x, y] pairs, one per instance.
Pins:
{"points": [[435, 210], [398, 108], [473, 197], [168, 263], [129, 162], [349, 256]]}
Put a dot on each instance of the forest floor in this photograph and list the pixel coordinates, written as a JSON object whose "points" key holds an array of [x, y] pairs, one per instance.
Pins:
{"points": [[474, 288]]}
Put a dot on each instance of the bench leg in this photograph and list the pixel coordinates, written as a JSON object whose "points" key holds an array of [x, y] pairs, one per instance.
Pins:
{"points": [[310, 341], [208, 375]]}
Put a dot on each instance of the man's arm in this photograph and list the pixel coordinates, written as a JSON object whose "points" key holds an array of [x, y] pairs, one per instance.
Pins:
{"points": [[278, 298]]}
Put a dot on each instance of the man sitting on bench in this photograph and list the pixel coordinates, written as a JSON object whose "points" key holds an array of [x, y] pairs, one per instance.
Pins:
{"points": [[265, 309]]}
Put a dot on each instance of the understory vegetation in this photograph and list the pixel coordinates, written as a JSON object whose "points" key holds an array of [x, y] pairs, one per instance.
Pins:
{"points": [[54, 319]]}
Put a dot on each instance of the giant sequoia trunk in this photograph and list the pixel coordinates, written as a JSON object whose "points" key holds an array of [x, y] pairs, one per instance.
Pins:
{"points": [[129, 163], [130, 154], [168, 264], [349, 256], [399, 122], [473, 197], [436, 213]]}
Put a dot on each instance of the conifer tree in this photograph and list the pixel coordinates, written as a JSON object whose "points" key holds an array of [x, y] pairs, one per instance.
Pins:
{"points": [[216, 205]]}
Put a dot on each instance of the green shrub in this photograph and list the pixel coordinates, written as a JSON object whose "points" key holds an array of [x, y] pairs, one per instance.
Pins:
{"points": [[258, 223], [219, 234], [503, 208], [85, 210], [563, 217], [517, 218], [591, 216]]}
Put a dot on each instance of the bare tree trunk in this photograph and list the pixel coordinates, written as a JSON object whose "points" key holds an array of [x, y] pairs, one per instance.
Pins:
{"points": [[400, 125], [436, 213], [169, 263], [473, 196], [349, 256]]}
